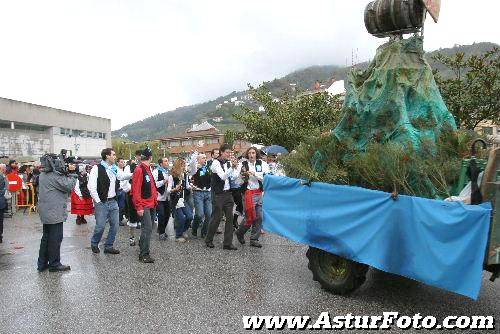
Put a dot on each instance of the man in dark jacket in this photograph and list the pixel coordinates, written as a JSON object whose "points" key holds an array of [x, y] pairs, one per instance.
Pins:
{"points": [[54, 190]]}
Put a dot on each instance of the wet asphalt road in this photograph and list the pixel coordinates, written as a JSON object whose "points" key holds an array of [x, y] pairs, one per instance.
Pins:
{"points": [[190, 289]]}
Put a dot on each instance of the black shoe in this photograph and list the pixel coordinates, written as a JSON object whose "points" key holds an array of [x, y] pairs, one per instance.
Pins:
{"points": [[146, 259], [240, 238], [1, 240], [210, 244], [59, 268], [111, 250], [95, 249], [194, 233], [42, 269], [255, 243], [231, 247], [121, 223]]}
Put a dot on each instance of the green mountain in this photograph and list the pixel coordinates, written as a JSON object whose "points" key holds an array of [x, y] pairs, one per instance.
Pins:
{"points": [[177, 121]]}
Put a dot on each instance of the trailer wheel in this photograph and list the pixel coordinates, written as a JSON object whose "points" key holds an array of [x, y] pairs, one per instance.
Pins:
{"points": [[336, 274]]}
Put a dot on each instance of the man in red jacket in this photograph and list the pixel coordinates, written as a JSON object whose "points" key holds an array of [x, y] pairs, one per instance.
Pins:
{"points": [[144, 197]]}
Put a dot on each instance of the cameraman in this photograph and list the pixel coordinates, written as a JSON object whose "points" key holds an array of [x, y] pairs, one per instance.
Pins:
{"points": [[54, 190]]}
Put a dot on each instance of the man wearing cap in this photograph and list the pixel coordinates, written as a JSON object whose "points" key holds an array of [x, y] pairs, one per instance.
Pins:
{"points": [[103, 187], [145, 201]]}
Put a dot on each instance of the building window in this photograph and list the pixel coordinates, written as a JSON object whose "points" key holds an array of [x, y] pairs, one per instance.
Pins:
{"points": [[187, 143], [174, 143]]}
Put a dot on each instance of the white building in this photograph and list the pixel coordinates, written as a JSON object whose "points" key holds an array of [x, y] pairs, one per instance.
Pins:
{"points": [[239, 103], [234, 99], [31, 130], [261, 108]]}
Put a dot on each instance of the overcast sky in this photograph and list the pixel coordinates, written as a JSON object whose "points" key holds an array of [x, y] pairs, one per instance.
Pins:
{"points": [[129, 59]]}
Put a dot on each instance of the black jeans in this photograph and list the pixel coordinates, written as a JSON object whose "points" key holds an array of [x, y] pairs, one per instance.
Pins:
{"points": [[50, 246], [163, 210]]}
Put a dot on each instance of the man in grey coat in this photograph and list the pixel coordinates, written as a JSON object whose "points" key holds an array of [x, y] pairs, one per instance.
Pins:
{"points": [[54, 190]]}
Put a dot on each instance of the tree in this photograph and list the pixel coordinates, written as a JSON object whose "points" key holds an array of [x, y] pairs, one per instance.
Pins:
{"points": [[126, 149], [473, 93], [288, 120]]}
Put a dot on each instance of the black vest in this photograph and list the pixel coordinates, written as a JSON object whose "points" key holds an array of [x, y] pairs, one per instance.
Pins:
{"points": [[161, 190], [202, 181], [83, 183], [217, 183], [103, 183], [146, 185], [258, 162]]}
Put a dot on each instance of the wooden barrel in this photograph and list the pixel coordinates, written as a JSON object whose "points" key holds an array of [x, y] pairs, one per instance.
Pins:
{"points": [[383, 16]]}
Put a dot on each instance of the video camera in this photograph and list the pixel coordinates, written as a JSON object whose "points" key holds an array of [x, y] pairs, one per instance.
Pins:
{"points": [[59, 163]]}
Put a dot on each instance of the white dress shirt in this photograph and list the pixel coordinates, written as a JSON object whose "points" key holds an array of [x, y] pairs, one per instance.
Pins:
{"points": [[121, 176], [223, 174]]}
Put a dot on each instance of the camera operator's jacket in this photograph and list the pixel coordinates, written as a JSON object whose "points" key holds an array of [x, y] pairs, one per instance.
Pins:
{"points": [[54, 190]]}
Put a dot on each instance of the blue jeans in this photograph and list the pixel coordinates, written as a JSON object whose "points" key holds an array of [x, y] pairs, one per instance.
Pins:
{"points": [[203, 210], [183, 217], [104, 212]]}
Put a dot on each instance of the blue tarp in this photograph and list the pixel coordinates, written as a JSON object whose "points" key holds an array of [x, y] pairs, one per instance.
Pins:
{"points": [[435, 242]]}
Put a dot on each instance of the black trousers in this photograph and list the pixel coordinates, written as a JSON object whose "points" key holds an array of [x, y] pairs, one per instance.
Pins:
{"points": [[224, 204], [2, 211], [50, 246], [132, 213], [238, 199], [163, 210]]}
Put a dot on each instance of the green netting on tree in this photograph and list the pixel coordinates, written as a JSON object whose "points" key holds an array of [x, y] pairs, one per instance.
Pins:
{"points": [[396, 99]]}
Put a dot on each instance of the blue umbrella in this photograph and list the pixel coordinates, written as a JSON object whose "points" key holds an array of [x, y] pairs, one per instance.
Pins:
{"points": [[275, 150]]}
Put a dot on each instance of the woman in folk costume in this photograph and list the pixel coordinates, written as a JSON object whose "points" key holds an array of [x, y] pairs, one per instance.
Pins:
{"points": [[81, 201], [253, 170], [179, 188]]}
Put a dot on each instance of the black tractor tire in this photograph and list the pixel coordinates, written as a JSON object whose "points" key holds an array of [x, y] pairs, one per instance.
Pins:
{"points": [[336, 274]]}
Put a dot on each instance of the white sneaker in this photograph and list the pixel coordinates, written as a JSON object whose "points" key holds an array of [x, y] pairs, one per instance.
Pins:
{"points": [[181, 239], [124, 220], [131, 224]]}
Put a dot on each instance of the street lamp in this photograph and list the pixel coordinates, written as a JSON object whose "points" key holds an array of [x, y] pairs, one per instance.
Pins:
{"points": [[128, 143]]}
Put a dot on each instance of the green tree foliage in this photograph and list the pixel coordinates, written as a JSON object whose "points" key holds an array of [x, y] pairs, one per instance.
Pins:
{"points": [[126, 149], [289, 120], [472, 94]]}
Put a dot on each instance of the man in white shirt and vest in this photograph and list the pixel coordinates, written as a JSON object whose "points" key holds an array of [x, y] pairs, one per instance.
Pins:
{"points": [[103, 186], [253, 171], [222, 169]]}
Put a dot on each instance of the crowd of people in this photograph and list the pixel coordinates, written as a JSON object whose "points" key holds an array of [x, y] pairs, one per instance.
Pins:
{"points": [[195, 194]]}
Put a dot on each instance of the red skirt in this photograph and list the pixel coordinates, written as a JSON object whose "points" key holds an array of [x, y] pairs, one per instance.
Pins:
{"points": [[81, 206]]}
